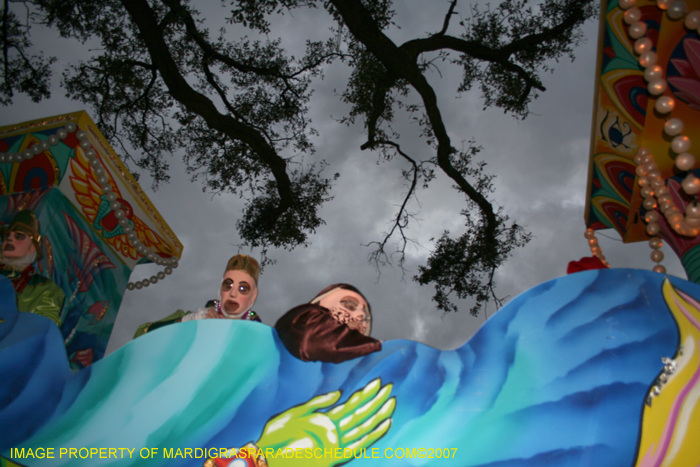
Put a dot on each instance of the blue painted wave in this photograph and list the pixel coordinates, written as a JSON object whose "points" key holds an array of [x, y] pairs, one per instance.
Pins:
{"points": [[558, 377]]}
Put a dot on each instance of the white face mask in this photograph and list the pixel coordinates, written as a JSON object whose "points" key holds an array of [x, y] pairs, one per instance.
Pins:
{"points": [[348, 308], [237, 293], [17, 245]]}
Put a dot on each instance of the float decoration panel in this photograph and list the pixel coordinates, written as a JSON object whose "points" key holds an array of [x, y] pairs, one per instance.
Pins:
{"points": [[92, 276], [86, 252], [624, 118], [62, 164], [596, 369]]}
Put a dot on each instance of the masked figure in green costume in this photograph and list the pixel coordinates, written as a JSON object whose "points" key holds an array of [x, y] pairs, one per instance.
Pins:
{"points": [[21, 246]]}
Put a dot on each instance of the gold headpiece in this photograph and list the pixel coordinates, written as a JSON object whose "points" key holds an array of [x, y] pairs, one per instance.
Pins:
{"points": [[25, 221]]}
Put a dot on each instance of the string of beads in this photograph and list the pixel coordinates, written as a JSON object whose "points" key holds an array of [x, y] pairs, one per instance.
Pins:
{"points": [[103, 180], [653, 186]]}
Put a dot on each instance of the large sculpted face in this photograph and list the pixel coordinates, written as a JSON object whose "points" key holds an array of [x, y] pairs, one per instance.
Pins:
{"points": [[348, 308], [238, 293], [17, 245]]}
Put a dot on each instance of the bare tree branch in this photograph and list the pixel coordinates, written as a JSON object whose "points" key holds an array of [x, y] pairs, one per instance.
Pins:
{"points": [[401, 219], [398, 62], [142, 15], [448, 16]]}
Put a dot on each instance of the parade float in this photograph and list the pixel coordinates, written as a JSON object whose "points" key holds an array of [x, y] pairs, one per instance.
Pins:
{"points": [[597, 368], [563, 375], [642, 174], [97, 224]]}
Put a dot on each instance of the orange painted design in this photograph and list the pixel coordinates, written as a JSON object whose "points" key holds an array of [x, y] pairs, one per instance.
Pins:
{"points": [[88, 195]]}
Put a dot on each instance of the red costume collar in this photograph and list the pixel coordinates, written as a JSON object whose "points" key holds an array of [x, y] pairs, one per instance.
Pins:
{"points": [[19, 281]]}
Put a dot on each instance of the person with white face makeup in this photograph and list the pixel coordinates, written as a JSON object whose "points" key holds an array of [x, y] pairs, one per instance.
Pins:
{"points": [[237, 294], [333, 327], [21, 247]]}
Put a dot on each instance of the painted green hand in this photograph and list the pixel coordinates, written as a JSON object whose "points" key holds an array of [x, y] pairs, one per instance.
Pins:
{"points": [[356, 424]]}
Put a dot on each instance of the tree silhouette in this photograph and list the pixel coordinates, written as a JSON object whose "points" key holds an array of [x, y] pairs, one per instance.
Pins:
{"points": [[160, 81]]}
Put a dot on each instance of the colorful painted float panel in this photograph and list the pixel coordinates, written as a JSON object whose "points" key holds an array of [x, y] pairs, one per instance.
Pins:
{"points": [[86, 251], [624, 118], [598, 368]]}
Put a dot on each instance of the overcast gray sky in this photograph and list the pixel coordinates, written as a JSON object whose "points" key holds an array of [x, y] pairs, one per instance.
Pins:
{"points": [[541, 166]]}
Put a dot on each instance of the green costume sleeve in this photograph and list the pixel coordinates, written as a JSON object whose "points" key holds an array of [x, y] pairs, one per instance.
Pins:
{"points": [[174, 318], [42, 297]]}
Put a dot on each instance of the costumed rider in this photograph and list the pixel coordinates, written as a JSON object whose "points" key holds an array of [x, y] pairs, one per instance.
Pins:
{"points": [[333, 327], [237, 294], [21, 246]]}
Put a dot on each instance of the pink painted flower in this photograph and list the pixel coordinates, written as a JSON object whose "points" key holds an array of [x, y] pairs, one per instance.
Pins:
{"points": [[687, 85]]}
